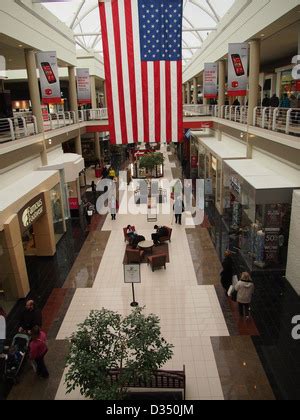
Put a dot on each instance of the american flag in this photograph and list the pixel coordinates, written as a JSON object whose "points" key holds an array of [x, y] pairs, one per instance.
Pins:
{"points": [[142, 47]]}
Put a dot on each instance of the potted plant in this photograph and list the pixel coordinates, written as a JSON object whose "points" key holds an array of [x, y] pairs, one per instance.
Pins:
{"points": [[150, 161], [109, 351]]}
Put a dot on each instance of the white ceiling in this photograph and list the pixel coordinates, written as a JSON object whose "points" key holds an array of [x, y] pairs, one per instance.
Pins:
{"points": [[83, 17]]}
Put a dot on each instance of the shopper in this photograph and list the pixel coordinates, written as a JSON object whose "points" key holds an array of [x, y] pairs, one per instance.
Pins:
{"points": [[178, 209], [30, 318], [274, 101], [227, 273], [266, 101], [245, 290], [285, 102], [113, 207], [2, 329], [161, 231], [37, 351]]}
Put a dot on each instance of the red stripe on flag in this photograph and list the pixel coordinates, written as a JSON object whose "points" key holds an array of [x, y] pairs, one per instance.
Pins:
{"points": [[145, 100], [180, 101], [107, 73], [131, 68], [157, 100], [168, 103], [116, 21]]}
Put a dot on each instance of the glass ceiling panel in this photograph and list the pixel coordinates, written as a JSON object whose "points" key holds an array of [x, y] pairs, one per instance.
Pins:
{"points": [[83, 17]]}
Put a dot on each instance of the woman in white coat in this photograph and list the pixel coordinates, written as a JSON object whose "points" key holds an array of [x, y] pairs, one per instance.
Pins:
{"points": [[2, 329]]}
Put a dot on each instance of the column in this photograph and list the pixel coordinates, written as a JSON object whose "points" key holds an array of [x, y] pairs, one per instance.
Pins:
{"points": [[253, 78], [105, 95], [278, 84], [188, 93], [97, 147], [73, 91], [195, 91], [183, 94], [44, 231], [93, 92], [78, 147], [34, 91], [222, 82], [16, 265]]}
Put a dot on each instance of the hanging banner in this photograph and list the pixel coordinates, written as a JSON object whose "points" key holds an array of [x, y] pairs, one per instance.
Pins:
{"points": [[210, 80], [238, 69], [50, 86], [83, 86]]}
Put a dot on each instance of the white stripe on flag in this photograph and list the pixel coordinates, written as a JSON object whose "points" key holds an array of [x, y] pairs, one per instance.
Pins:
{"points": [[163, 112], [138, 69], [113, 67], [126, 82], [174, 101], [151, 100]]}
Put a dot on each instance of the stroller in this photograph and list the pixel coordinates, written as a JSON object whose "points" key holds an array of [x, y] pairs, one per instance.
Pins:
{"points": [[16, 356]]}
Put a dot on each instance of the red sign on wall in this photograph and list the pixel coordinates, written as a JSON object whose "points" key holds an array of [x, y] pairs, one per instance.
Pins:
{"points": [[73, 203]]}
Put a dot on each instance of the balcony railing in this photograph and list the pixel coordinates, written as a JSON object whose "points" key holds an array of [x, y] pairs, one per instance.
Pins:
{"points": [[284, 120]]}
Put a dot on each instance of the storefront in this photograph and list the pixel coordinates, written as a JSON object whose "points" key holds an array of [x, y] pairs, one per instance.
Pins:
{"points": [[29, 213], [286, 83], [257, 211]]}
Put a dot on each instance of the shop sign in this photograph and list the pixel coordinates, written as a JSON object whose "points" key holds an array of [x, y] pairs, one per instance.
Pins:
{"points": [[235, 185], [271, 245], [210, 80], [30, 213], [238, 69], [49, 79]]}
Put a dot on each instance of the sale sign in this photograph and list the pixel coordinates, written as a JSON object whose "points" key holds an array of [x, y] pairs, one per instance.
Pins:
{"points": [[49, 79], [83, 86], [210, 80]]}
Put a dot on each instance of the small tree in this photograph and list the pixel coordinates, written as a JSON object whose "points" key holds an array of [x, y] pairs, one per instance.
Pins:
{"points": [[151, 160], [107, 342]]}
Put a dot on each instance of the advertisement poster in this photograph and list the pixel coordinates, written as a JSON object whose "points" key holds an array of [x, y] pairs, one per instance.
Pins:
{"points": [[210, 80], [83, 86], [50, 86], [238, 69], [273, 216]]}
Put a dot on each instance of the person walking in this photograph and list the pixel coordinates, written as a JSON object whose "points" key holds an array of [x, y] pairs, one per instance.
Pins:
{"points": [[37, 351], [245, 290], [2, 330], [178, 209], [113, 208], [227, 273], [30, 317]]}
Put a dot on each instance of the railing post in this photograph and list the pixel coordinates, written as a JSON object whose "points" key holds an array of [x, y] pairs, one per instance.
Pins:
{"points": [[276, 110], [288, 117], [255, 115], [12, 130], [25, 126], [35, 124]]}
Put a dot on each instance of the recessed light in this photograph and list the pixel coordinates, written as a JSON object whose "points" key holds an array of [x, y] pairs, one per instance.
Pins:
{"points": [[20, 45], [262, 35]]}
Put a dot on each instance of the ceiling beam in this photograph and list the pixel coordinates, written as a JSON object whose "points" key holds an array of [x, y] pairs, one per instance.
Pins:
{"points": [[203, 29]]}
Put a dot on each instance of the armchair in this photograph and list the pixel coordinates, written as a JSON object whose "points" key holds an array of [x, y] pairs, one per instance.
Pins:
{"points": [[134, 256], [157, 261], [167, 237]]}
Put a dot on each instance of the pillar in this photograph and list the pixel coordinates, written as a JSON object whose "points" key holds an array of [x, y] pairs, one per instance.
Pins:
{"points": [[188, 93], [73, 91], [222, 82], [93, 92], [105, 95], [97, 147], [253, 78], [195, 91], [16, 274], [34, 91], [44, 231], [78, 147], [278, 84], [183, 94]]}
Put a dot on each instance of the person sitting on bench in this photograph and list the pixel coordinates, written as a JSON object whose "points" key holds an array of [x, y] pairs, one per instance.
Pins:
{"points": [[161, 231]]}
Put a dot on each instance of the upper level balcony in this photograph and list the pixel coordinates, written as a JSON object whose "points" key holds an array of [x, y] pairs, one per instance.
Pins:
{"points": [[276, 120]]}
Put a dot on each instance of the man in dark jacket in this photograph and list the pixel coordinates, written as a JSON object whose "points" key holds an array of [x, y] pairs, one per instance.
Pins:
{"points": [[227, 273], [178, 210], [161, 231], [30, 317], [274, 102]]}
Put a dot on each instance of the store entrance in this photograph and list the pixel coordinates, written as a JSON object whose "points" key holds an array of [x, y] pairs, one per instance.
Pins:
{"points": [[29, 244]]}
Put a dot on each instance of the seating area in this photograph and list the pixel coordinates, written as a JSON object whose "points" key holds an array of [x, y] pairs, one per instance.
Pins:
{"points": [[157, 261]]}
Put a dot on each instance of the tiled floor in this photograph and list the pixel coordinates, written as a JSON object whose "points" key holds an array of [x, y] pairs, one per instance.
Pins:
{"points": [[190, 314]]}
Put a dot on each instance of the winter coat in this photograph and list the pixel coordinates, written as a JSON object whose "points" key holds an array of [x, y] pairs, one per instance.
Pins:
{"points": [[245, 291]]}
